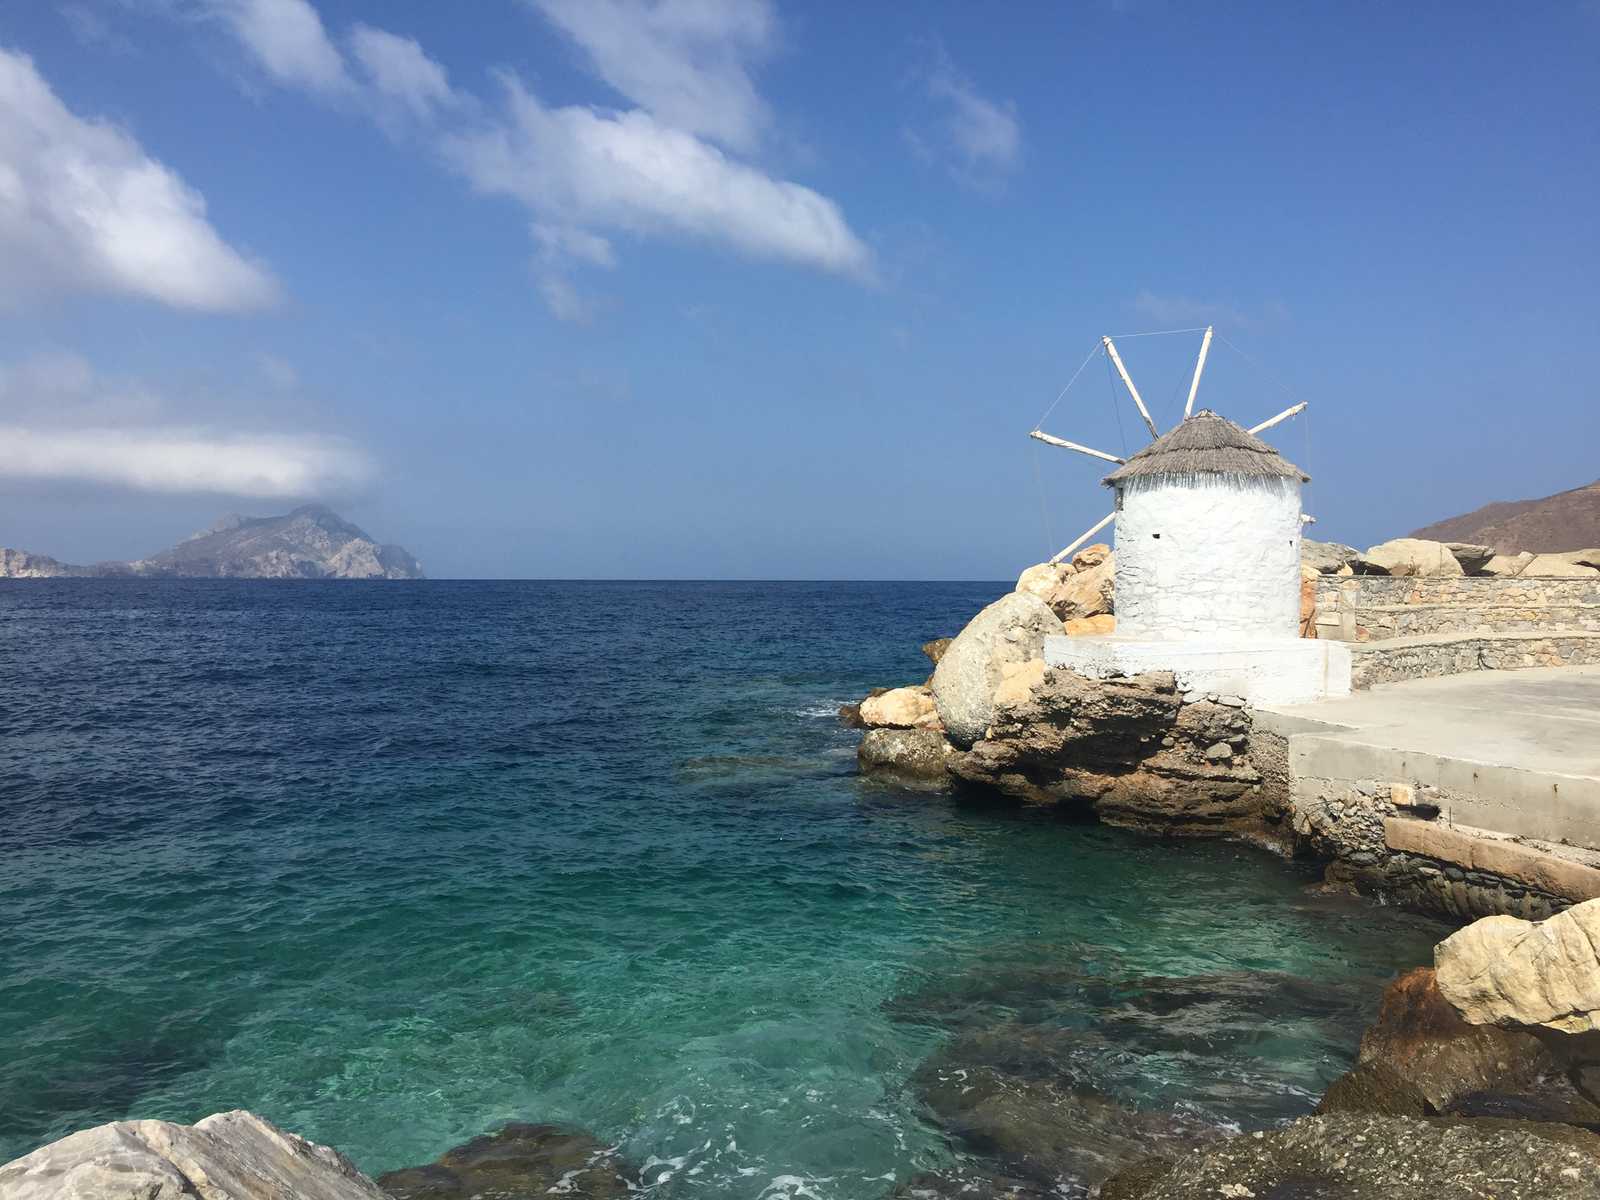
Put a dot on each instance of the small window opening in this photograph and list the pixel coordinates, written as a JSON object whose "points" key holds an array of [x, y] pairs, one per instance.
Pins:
{"points": [[1157, 536]]}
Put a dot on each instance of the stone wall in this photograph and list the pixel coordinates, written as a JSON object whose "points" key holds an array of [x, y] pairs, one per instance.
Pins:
{"points": [[1368, 607], [1429, 657]]}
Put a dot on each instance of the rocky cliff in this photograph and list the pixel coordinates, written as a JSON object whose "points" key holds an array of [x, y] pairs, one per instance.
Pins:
{"points": [[312, 542]]}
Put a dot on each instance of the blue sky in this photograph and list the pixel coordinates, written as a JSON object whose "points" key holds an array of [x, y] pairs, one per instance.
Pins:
{"points": [[699, 289]]}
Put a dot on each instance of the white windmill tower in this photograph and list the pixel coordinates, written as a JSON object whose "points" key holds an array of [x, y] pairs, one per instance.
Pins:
{"points": [[1208, 524]]}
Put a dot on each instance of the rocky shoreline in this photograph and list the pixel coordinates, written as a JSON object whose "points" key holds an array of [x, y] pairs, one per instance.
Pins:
{"points": [[1140, 753], [1479, 1078]]}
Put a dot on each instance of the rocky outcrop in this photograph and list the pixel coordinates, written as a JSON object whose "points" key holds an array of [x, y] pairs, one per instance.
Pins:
{"points": [[900, 708], [1074, 590], [1410, 557], [1364, 1156], [1130, 749], [312, 542], [520, 1162], [1011, 631], [230, 1156], [1542, 975], [936, 648], [909, 754], [1508, 564], [1327, 558]]}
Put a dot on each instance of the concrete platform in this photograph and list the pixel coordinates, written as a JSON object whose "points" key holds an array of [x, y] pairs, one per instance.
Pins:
{"points": [[1284, 670], [1518, 752]]}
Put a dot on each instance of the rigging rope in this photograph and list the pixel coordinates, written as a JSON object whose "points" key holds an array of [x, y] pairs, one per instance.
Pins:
{"points": [[1157, 332], [1068, 388], [1044, 507]]}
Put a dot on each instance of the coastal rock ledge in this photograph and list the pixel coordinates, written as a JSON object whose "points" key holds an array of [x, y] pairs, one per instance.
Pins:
{"points": [[229, 1156]]}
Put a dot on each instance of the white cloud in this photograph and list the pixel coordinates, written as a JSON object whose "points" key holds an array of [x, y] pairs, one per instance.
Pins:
{"points": [[287, 38], [557, 243], [184, 460], [682, 60], [66, 421], [981, 137], [400, 72], [577, 168], [84, 208]]}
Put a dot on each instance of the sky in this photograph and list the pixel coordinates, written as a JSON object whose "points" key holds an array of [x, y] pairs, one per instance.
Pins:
{"points": [[757, 289]]}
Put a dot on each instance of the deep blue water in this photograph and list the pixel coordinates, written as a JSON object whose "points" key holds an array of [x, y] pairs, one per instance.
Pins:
{"points": [[393, 864]]}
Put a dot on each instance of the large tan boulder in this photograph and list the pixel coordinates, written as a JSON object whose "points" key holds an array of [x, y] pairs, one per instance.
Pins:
{"points": [[1508, 564], [901, 708], [229, 1156], [1044, 578], [1526, 974], [1326, 557], [1011, 630], [1566, 565], [1088, 593], [905, 753], [1096, 626], [1470, 555], [1410, 556]]}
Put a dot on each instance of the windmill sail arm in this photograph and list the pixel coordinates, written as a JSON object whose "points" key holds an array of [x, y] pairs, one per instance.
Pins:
{"points": [[1283, 416], [1199, 367], [1086, 535], [1127, 382], [1066, 445]]}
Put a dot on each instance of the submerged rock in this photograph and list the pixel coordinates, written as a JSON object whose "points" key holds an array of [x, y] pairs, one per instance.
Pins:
{"points": [[229, 1156], [1047, 1130], [1526, 974], [1010, 631], [1363, 1156], [520, 1162]]}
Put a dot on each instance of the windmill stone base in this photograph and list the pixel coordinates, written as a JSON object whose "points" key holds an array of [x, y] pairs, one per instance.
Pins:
{"points": [[1254, 670]]}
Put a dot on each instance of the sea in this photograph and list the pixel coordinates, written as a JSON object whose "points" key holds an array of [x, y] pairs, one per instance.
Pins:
{"points": [[394, 864]]}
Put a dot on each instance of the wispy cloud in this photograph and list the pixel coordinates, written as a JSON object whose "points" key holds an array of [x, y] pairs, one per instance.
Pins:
{"points": [[83, 208], [576, 168], [685, 61], [978, 138], [666, 169], [67, 422], [288, 40]]}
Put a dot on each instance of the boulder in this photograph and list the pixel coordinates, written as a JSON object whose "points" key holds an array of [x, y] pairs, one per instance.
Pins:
{"points": [[1091, 556], [1326, 557], [901, 708], [1409, 556], [1535, 975], [1044, 578], [1472, 557], [936, 648], [1419, 1056], [908, 753], [520, 1162], [1011, 630], [1308, 601], [229, 1156], [1098, 626], [1507, 564], [1088, 593], [1560, 566]]}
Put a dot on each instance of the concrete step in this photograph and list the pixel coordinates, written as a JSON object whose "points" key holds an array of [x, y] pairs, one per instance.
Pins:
{"points": [[1427, 656], [1372, 621]]}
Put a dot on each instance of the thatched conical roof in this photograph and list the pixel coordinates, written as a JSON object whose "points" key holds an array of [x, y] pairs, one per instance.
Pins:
{"points": [[1207, 444]]}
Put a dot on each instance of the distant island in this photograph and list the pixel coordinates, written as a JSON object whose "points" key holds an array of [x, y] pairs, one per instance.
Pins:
{"points": [[312, 542]]}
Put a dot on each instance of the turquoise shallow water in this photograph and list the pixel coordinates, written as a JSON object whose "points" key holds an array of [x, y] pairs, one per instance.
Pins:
{"points": [[395, 864]]}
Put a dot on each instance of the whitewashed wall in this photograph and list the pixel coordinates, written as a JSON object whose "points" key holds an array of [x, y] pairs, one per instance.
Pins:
{"points": [[1226, 561]]}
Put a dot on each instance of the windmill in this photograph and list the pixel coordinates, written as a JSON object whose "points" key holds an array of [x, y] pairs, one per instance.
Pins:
{"points": [[1207, 567], [1109, 348]]}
